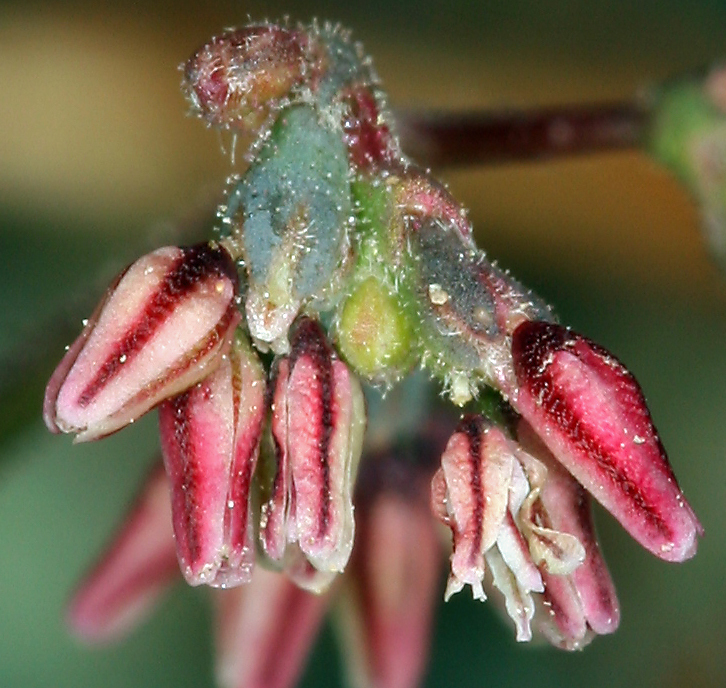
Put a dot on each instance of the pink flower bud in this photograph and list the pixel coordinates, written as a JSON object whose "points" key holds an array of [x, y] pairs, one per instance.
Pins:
{"points": [[161, 328], [591, 413], [318, 418], [137, 567], [470, 493], [210, 438]]}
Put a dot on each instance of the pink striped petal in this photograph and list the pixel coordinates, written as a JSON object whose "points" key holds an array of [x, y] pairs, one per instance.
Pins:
{"points": [[476, 467], [210, 439], [388, 601], [161, 328], [264, 632], [568, 509], [317, 427], [138, 566], [592, 415]]}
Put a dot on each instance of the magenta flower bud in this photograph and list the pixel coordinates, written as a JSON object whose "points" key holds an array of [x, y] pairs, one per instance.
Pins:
{"points": [[590, 412], [318, 418], [137, 567], [210, 437], [264, 631], [162, 327], [470, 494]]}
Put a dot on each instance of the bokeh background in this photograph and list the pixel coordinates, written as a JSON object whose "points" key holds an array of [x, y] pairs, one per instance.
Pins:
{"points": [[97, 161]]}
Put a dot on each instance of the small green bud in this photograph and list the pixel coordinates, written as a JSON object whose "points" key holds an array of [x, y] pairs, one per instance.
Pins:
{"points": [[374, 334]]}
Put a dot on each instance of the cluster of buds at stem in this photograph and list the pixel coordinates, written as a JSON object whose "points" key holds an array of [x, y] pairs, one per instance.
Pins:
{"points": [[338, 260]]}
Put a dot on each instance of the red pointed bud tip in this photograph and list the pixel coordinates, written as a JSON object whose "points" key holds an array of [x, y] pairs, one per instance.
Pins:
{"points": [[137, 567], [163, 326], [265, 631], [210, 437], [470, 494], [318, 419], [590, 412], [234, 80], [419, 198], [366, 133], [387, 603]]}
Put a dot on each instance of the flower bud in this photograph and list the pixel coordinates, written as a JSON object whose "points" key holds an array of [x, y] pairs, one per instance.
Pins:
{"points": [[210, 437], [470, 493], [162, 327], [135, 570], [318, 418], [236, 79], [590, 412]]}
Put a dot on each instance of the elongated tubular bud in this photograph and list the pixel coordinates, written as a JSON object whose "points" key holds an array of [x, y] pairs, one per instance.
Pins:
{"points": [[476, 468], [210, 440], [133, 572], [318, 418], [163, 326], [590, 412], [234, 80], [264, 631]]}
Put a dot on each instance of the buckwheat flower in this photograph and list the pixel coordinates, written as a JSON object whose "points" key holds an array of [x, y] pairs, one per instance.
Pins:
{"points": [[340, 267], [210, 438], [318, 418], [163, 325]]}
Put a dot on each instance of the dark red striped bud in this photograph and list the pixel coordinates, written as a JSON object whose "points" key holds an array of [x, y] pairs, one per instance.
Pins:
{"points": [[590, 412], [210, 438], [163, 326], [318, 419]]}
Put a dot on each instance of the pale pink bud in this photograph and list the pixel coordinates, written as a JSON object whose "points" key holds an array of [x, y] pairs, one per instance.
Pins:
{"points": [[590, 412], [585, 599], [137, 567], [161, 328], [387, 602], [210, 437], [318, 418], [470, 493], [264, 632]]}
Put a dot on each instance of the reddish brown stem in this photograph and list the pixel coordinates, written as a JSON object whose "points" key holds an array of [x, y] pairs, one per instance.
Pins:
{"points": [[485, 138]]}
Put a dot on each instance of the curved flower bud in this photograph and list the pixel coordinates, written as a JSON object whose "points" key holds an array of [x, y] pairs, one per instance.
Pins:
{"points": [[162, 327], [318, 418], [240, 76], [210, 438], [136, 568], [591, 413]]}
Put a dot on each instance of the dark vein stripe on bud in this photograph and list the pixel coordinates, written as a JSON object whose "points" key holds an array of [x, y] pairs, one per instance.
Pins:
{"points": [[196, 265]]}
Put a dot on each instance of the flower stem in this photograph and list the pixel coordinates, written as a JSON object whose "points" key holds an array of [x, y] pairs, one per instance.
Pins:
{"points": [[485, 138]]}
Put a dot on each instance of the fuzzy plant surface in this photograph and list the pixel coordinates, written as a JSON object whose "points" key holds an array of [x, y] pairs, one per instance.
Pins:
{"points": [[349, 390]]}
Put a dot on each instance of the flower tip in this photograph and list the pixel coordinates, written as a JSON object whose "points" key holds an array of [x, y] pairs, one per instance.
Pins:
{"points": [[163, 325], [591, 413]]}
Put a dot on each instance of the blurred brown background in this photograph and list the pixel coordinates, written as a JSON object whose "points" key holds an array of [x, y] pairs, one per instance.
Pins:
{"points": [[95, 153]]}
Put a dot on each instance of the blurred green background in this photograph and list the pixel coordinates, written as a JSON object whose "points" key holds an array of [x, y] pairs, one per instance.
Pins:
{"points": [[95, 153]]}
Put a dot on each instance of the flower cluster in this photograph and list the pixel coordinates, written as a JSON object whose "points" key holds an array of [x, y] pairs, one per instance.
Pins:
{"points": [[338, 268]]}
